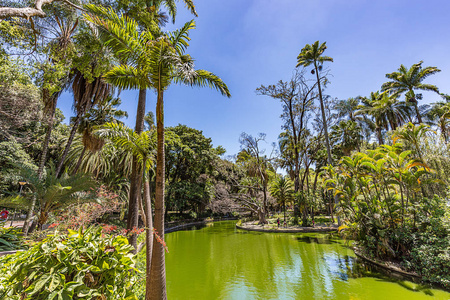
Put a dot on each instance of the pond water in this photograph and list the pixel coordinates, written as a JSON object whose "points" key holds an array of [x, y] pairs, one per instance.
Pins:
{"points": [[218, 261]]}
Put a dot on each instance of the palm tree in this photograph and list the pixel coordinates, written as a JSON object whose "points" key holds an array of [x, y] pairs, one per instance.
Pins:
{"points": [[51, 193], [86, 94], [413, 135], [407, 80], [347, 135], [104, 112], [142, 146], [149, 19], [282, 190], [347, 108], [153, 63], [59, 49], [386, 110], [312, 54], [439, 114]]}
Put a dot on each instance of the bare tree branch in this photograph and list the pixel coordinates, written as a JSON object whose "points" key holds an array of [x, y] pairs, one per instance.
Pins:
{"points": [[28, 12]]}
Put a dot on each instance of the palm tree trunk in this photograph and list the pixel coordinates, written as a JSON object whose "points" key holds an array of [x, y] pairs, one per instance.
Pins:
{"points": [[148, 238], [419, 117], [69, 143], [266, 209], [324, 120], [136, 174], [325, 127], [80, 159], [158, 268], [43, 159], [380, 136]]}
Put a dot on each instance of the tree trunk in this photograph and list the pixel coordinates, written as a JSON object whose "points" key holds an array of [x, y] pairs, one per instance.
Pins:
{"points": [[324, 120], [158, 268], [380, 136], [69, 143], [80, 159], [261, 216], [266, 210], [43, 159], [325, 127], [136, 175], [148, 239], [419, 117]]}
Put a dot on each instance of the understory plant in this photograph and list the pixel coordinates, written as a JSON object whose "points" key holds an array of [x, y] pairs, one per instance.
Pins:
{"points": [[78, 265], [10, 239]]}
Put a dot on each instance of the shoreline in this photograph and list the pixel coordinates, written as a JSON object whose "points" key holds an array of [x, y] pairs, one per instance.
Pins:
{"points": [[261, 228]]}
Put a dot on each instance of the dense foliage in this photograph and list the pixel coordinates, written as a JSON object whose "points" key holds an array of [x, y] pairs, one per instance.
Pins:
{"points": [[10, 239], [373, 160], [79, 265], [396, 207]]}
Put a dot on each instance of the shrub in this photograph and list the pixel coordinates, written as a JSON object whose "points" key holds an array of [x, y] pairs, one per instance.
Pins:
{"points": [[10, 239], [193, 215], [430, 248], [80, 265]]}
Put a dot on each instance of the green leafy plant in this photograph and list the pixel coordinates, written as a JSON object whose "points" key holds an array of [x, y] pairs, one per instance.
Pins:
{"points": [[51, 193], [80, 265], [10, 239]]}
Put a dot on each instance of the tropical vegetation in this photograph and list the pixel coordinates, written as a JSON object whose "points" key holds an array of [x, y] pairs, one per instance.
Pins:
{"points": [[378, 164]]}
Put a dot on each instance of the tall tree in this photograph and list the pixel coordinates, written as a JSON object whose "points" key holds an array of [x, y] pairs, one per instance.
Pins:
{"points": [[408, 80], [153, 63], [146, 21], [86, 94], [53, 75], [346, 136], [257, 163], [142, 146], [312, 55], [296, 97]]}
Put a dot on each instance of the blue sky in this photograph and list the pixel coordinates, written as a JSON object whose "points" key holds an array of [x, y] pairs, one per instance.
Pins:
{"points": [[252, 42]]}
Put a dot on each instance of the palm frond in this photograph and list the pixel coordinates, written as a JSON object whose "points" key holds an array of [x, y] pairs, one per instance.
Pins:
{"points": [[204, 78], [180, 38], [127, 77]]}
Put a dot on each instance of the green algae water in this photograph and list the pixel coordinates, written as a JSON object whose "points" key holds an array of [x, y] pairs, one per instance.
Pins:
{"points": [[219, 261]]}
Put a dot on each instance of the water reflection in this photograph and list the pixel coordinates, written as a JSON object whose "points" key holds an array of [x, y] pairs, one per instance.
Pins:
{"points": [[220, 262]]}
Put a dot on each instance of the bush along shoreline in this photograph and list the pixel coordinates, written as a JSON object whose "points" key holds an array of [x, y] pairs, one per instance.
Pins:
{"points": [[384, 198]]}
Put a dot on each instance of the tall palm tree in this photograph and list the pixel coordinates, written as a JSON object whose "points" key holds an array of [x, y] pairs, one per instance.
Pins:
{"points": [[347, 108], [312, 55], [408, 80], [59, 50], [148, 20], [282, 190], [86, 93], [153, 63]]}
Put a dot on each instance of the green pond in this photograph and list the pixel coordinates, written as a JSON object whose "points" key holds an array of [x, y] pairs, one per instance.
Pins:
{"points": [[218, 261]]}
